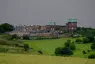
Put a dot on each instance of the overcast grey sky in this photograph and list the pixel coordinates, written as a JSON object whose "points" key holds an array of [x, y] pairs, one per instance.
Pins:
{"points": [[41, 11]]}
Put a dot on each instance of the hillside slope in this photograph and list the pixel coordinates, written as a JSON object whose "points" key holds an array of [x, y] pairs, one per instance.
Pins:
{"points": [[6, 58]]}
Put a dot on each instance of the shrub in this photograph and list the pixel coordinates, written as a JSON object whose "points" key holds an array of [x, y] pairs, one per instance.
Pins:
{"points": [[58, 51], [15, 37], [63, 51], [88, 50], [78, 41], [26, 37], [26, 47], [66, 51], [70, 45], [93, 46], [92, 56], [40, 52], [91, 38], [85, 40], [84, 52]]}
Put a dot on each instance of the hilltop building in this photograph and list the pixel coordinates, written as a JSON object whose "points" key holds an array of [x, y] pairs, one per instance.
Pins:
{"points": [[47, 30]]}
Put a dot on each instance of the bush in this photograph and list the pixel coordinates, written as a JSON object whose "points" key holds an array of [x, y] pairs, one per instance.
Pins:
{"points": [[58, 51], [15, 37], [26, 47], [88, 50], [40, 52], [84, 52], [26, 37], [70, 45], [78, 41], [93, 46], [63, 51], [92, 56], [91, 37], [85, 40]]}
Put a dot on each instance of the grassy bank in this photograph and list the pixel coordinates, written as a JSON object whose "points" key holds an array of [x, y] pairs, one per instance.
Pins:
{"points": [[6, 58]]}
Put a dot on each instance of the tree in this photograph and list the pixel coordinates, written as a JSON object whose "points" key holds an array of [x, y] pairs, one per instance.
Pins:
{"points": [[5, 27], [1, 29], [90, 36], [26, 47]]}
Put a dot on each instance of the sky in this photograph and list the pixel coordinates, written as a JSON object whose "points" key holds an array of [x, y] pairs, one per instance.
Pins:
{"points": [[40, 12]]}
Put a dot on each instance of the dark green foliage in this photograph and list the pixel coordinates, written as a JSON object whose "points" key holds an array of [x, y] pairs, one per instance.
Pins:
{"points": [[70, 45], [84, 52], [14, 36], [79, 41], [66, 51], [40, 52], [85, 40], [26, 37], [88, 50], [1, 30], [58, 51], [91, 38], [5, 27], [93, 46], [63, 51], [86, 32], [92, 56], [26, 47]]}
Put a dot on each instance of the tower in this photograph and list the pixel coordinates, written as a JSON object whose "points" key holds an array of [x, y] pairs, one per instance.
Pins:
{"points": [[71, 25], [51, 23]]}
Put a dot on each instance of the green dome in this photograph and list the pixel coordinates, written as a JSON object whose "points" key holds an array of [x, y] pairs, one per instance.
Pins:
{"points": [[72, 20]]}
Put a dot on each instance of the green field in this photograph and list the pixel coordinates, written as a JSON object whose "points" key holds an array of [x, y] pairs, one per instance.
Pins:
{"points": [[6, 58], [48, 46]]}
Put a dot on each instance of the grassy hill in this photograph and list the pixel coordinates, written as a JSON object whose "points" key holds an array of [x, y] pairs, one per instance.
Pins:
{"points": [[6, 58], [48, 46]]}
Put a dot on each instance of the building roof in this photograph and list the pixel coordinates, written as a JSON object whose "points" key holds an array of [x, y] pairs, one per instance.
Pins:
{"points": [[72, 20]]}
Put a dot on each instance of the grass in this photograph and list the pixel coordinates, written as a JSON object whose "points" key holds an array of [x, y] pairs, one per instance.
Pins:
{"points": [[6, 58], [48, 46]]}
